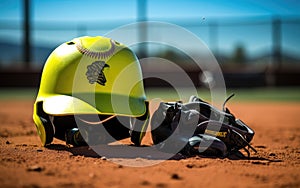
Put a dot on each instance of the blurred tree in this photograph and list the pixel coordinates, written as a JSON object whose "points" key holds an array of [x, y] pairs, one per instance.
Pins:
{"points": [[239, 55], [178, 57]]}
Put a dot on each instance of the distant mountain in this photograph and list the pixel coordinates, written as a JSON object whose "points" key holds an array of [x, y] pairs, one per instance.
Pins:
{"points": [[13, 53], [285, 59]]}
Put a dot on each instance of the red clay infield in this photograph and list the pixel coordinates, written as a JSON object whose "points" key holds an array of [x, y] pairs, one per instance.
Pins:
{"points": [[24, 163]]}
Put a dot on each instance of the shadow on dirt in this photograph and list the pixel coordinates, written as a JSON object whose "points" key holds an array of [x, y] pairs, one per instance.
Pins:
{"points": [[116, 151], [145, 152]]}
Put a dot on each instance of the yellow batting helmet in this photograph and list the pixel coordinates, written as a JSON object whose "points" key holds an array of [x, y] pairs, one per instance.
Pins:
{"points": [[88, 75]]}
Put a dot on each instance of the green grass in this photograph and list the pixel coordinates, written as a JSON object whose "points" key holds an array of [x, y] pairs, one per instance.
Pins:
{"points": [[251, 94], [268, 94], [248, 94], [18, 93]]}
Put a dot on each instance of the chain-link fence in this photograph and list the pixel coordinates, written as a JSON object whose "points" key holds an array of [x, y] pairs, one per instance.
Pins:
{"points": [[261, 45], [254, 40]]}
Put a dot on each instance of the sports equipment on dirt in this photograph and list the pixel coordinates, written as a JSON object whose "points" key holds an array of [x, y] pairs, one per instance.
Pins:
{"points": [[91, 78], [205, 129]]}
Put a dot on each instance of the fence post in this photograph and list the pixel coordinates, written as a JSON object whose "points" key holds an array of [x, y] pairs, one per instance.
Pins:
{"points": [[142, 30], [276, 60], [213, 38], [26, 34], [276, 37]]}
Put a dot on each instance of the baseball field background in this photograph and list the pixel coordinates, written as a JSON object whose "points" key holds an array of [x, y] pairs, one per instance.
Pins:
{"points": [[256, 45]]}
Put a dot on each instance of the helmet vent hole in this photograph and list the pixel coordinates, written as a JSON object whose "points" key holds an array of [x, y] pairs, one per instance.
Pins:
{"points": [[70, 43]]}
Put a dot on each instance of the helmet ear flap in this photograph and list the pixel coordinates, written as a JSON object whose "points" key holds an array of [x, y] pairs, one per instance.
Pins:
{"points": [[43, 124], [138, 127]]}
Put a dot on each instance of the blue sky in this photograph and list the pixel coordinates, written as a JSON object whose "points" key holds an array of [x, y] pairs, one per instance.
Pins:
{"points": [[256, 39], [85, 10]]}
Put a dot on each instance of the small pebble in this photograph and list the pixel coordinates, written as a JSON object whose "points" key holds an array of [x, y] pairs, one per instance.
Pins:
{"points": [[175, 176], [103, 158], [7, 142], [145, 182], [272, 154], [190, 165], [91, 175], [35, 168]]}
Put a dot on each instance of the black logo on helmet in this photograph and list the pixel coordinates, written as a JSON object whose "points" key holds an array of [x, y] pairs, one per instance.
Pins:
{"points": [[95, 72]]}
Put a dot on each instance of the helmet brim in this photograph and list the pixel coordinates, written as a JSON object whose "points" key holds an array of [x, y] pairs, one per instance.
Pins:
{"points": [[84, 103]]}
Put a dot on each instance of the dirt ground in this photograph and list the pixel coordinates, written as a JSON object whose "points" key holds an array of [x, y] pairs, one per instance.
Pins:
{"points": [[24, 163]]}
